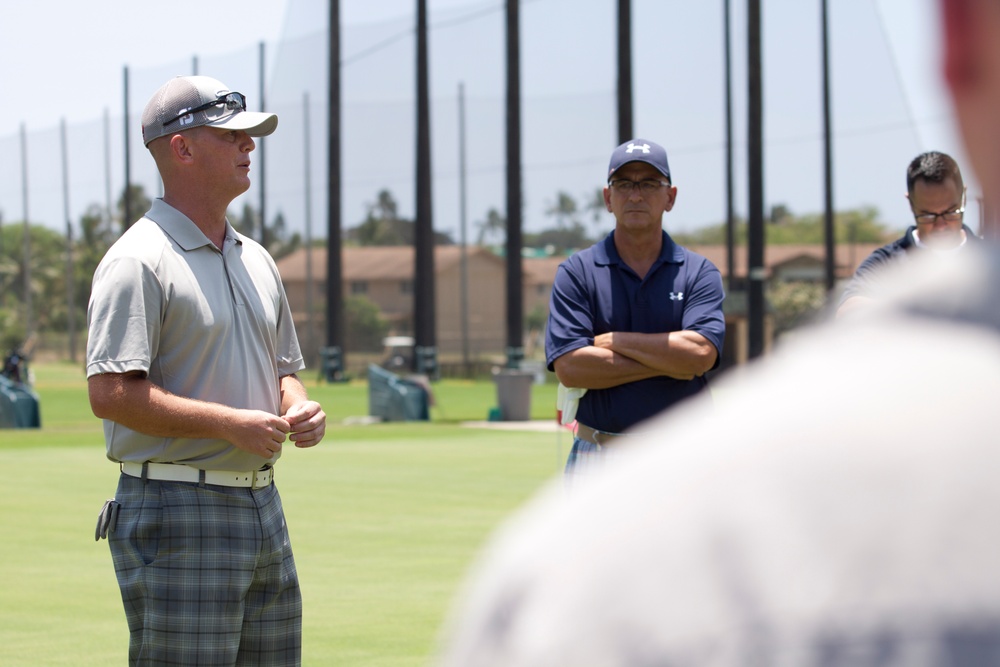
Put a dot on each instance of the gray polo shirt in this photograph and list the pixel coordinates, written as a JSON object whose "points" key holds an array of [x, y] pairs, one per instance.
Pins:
{"points": [[209, 325]]}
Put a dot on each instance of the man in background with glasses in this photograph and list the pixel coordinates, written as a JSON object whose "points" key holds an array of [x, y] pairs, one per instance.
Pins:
{"points": [[191, 363], [936, 192], [635, 320]]}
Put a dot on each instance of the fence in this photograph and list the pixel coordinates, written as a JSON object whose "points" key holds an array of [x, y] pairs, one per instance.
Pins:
{"points": [[568, 115]]}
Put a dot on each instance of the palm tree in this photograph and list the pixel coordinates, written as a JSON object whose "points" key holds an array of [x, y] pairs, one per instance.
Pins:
{"points": [[564, 209], [138, 204], [493, 225], [597, 209]]}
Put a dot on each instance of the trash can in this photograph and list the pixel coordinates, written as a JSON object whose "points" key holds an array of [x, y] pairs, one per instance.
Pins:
{"points": [[18, 405], [514, 394], [331, 364], [392, 398]]}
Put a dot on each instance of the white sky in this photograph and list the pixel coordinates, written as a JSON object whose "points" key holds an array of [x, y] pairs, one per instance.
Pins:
{"points": [[62, 59]]}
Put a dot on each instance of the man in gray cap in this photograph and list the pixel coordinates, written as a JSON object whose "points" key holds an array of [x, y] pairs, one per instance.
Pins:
{"points": [[635, 320], [191, 363]]}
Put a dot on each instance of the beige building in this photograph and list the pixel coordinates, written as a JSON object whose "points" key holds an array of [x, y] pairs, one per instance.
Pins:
{"points": [[384, 274], [792, 262], [782, 263]]}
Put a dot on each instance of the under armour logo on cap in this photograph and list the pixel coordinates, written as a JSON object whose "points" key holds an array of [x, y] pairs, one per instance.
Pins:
{"points": [[640, 150]]}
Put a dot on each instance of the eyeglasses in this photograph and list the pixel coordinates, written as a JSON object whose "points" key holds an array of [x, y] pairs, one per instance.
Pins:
{"points": [[931, 218], [947, 216], [646, 186], [230, 103]]}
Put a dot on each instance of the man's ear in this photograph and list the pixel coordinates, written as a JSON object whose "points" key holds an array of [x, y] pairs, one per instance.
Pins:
{"points": [[673, 198], [960, 69], [181, 148]]}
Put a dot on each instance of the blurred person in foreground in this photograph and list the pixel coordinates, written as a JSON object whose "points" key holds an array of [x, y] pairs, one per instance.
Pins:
{"points": [[936, 192], [826, 518], [191, 363], [635, 320]]}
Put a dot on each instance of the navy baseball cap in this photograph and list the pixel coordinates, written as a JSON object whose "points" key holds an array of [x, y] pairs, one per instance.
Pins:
{"points": [[639, 150]]}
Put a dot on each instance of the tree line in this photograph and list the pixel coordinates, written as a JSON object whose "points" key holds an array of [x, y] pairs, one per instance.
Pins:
{"points": [[59, 273], [577, 223], [580, 223]]}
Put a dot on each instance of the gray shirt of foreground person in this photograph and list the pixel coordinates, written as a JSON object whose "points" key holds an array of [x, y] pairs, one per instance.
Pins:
{"points": [[808, 518]]}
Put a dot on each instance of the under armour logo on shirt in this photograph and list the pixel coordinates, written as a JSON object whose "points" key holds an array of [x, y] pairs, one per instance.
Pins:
{"points": [[677, 296], [632, 147]]}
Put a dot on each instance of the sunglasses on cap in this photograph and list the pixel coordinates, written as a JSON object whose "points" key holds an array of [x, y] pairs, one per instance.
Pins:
{"points": [[227, 105]]}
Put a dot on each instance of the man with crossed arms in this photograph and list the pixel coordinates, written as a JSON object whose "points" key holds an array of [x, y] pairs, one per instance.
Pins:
{"points": [[635, 319]]}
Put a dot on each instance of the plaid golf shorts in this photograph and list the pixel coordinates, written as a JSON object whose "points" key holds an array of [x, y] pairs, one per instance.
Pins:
{"points": [[206, 575], [587, 456]]}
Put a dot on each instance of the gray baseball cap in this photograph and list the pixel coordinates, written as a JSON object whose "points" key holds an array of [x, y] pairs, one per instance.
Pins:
{"points": [[185, 102]]}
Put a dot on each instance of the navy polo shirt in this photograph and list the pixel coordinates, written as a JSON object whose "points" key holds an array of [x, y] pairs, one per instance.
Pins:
{"points": [[596, 292], [866, 280]]}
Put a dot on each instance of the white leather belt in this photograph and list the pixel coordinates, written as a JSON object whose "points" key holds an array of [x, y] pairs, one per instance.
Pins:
{"points": [[177, 472], [593, 436]]}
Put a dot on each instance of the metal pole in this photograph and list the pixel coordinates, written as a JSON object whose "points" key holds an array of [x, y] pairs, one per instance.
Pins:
{"points": [[194, 65], [70, 301], [263, 164], [624, 70], [828, 219], [515, 308], [425, 351], [29, 326], [730, 207], [462, 214], [755, 240], [126, 197], [334, 280], [306, 142], [108, 215]]}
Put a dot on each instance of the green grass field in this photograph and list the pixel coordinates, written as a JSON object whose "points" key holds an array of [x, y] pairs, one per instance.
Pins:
{"points": [[385, 520]]}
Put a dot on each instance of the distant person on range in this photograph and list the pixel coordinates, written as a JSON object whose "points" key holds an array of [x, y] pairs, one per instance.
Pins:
{"points": [[191, 363], [936, 192], [635, 320]]}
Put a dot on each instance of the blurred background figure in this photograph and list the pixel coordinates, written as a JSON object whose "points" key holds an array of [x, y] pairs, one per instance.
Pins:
{"points": [[817, 514], [971, 43]]}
